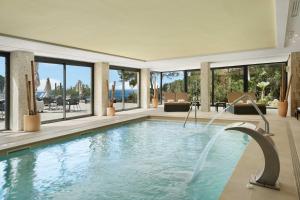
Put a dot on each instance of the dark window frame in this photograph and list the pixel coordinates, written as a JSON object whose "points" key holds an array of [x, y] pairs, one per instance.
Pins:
{"points": [[213, 79], [245, 75], [64, 63], [6, 55], [243, 67], [122, 68]]}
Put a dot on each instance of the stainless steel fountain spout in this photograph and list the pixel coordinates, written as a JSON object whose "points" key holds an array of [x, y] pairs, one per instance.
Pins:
{"points": [[269, 176]]}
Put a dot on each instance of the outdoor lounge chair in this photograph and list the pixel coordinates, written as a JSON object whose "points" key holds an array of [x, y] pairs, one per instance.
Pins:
{"points": [[59, 101], [244, 107], [176, 102], [48, 101], [75, 103]]}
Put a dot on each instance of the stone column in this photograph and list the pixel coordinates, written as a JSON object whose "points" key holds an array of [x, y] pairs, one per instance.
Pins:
{"points": [[205, 86], [101, 74], [145, 88], [20, 64], [294, 69]]}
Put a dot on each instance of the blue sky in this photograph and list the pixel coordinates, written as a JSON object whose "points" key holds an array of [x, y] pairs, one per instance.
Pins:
{"points": [[114, 76], [2, 66], [55, 73], [174, 78]]}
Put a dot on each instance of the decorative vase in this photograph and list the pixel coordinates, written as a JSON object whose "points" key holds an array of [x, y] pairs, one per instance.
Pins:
{"points": [[155, 102], [282, 108], [32, 123], [111, 111]]}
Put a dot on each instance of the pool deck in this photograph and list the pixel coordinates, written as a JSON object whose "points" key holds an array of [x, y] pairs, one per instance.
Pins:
{"points": [[286, 132]]}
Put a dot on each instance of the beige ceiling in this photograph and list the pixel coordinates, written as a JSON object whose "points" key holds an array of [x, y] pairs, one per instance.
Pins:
{"points": [[144, 29]]}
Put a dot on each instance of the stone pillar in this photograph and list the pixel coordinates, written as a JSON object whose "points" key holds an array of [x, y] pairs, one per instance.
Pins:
{"points": [[294, 69], [101, 74], [20, 64], [145, 88], [205, 87]]}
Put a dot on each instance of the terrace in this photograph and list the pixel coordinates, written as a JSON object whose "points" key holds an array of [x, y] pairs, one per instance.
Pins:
{"points": [[94, 95]]}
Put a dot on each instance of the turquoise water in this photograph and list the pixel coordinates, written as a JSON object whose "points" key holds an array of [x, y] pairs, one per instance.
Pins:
{"points": [[143, 160]]}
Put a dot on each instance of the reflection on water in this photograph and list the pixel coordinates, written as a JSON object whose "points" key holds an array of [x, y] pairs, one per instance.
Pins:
{"points": [[145, 160]]}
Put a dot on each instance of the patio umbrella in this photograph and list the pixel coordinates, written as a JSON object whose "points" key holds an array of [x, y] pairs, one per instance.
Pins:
{"points": [[79, 87], [47, 89], [37, 76]]}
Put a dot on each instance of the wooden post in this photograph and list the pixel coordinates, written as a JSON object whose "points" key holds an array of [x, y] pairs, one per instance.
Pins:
{"points": [[33, 87]]}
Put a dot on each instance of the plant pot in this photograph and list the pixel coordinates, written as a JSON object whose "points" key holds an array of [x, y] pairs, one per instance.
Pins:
{"points": [[111, 111], [32, 123], [282, 108], [155, 102]]}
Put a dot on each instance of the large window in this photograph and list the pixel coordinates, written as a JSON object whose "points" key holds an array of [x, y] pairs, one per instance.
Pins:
{"points": [[264, 80], [78, 90], [227, 80], [173, 81], [50, 91], [64, 89], [193, 84], [131, 85], [127, 87], [4, 89]]}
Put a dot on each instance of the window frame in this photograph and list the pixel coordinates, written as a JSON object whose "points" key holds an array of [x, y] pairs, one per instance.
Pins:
{"points": [[122, 68], [243, 67], [245, 76], [6, 55], [64, 63]]}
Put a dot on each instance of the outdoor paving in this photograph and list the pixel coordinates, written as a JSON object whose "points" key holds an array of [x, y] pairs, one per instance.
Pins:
{"points": [[83, 109]]}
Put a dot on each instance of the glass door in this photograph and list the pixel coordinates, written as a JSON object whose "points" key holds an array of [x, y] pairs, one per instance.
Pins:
{"points": [[78, 91], [50, 91], [3, 97], [127, 87]]}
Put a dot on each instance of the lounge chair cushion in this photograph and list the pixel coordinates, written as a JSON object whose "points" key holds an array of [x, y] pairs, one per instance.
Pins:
{"points": [[181, 100], [177, 107], [247, 109], [171, 100]]}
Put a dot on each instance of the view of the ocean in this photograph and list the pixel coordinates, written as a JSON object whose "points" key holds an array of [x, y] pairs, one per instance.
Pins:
{"points": [[118, 94]]}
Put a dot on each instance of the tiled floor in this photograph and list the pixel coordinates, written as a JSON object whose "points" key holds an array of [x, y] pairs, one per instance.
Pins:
{"points": [[250, 162]]}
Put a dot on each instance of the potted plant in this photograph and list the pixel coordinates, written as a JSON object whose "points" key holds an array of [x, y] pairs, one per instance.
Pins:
{"points": [[155, 96], [32, 120], [111, 99], [262, 85], [283, 103]]}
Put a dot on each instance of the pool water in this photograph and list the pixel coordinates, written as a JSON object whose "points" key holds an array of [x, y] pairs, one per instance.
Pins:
{"points": [[142, 160]]}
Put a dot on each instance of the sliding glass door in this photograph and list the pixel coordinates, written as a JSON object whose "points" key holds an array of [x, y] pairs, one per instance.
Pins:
{"points": [[227, 80], [65, 89], [4, 91], [78, 91], [50, 90], [127, 87], [115, 77], [265, 81], [131, 88], [194, 84], [173, 81]]}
